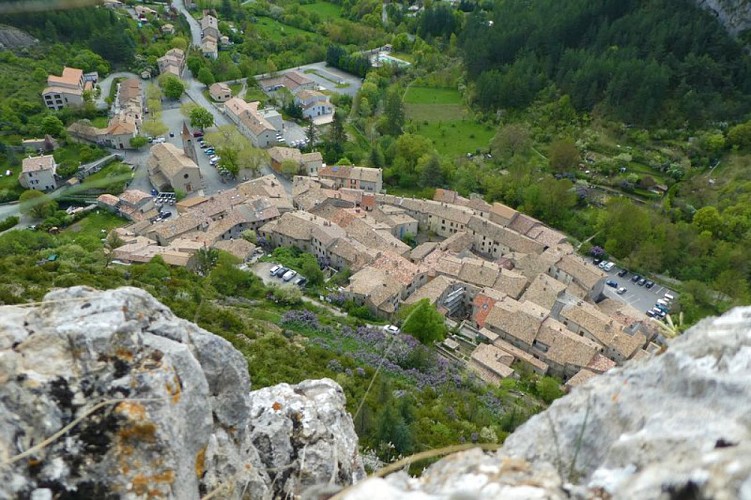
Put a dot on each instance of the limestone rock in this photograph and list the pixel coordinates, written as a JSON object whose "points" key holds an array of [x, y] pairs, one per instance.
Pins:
{"points": [[676, 425], [176, 412], [734, 15], [307, 425]]}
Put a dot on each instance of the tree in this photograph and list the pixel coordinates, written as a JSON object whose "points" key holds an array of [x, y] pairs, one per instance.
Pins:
{"points": [[187, 108], [205, 76], [37, 204], [511, 139], [432, 172], [206, 259], [311, 270], [250, 235], [708, 219], [393, 112], [172, 86], [236, 151], [337, 135], [424, 322], [138, 141], [179, 42], [52, 125], [153, 126], [290, 168], [201, 118], [312, 134], [549, 389], [563, 155]]}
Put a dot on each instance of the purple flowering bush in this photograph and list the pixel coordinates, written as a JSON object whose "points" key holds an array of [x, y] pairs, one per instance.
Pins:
{"points": [[302, 318]]}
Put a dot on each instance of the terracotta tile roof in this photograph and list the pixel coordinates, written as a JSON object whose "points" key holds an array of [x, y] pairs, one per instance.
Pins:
{"points": [[108, 199], [422, 250], [521, 355], [511, 283], [544, 291], [506, 237], [445, 196], [482, 305], [519, 320], [432, 290], [247, 113], [134, 196], [365, 174], [38, 163], [565, 347], [70, 77], [579, 378], [491, 363], [397, 268], [523, 223], [600, 364], [457, 242], [169, 159], [504, 212], [580, 270], [240, 248]]}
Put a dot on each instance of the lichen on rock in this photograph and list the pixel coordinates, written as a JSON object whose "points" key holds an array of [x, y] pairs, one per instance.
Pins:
{"points": [[165, 408]]}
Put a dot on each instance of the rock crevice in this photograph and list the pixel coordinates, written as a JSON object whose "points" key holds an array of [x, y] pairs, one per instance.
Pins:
{"points": [[173, 415]]}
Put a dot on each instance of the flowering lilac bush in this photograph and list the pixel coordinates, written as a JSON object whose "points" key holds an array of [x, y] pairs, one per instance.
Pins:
{"points": [[302, 318], [337, 298], [395, 354]]}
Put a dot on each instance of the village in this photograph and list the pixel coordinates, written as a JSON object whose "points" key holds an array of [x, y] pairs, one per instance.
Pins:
{"points": [[513, 289]]}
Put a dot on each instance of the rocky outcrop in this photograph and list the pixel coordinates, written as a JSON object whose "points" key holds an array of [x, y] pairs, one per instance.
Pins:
{"points": [[13, 38], [734, 15], [135, 402], [676, 425]]}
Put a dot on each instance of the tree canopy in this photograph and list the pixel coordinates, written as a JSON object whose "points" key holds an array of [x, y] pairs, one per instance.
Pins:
{"points": [[423, 321]]}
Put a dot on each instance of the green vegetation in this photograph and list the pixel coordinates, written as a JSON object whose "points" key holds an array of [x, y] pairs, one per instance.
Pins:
{"points": [[9, 222], [437, 403], [110, 179], [456, 137], [324, 10], [423, 321]]}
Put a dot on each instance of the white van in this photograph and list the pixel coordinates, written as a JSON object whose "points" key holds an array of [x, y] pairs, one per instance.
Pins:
{"points": [[663, 302], [668, 297], [159, 140]]}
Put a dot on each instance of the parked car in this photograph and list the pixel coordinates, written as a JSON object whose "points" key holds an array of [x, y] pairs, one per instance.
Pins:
{"points": [[300, 281], [649, 284], [642, 282], [289, 275], [622, 273], [392, 329], [197, 133], [612, 283], [659, 312], [609, 266], [209, 151], [621, 290], [635, 278], [597, 261], [650, 313], [280, 272], [165, 215], [668, 297], [662, 308], [274, 269], [172, 134]]}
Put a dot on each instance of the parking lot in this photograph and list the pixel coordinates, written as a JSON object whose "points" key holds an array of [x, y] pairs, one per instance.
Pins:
{"points": [[640, 297], [262, 270]]}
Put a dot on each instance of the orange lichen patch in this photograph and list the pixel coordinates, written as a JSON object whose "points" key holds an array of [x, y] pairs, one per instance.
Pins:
{"points": [[145, 432], [124, 354], [174, 389], [142, 482], [132, 410], [277, 406], [201, 462]]}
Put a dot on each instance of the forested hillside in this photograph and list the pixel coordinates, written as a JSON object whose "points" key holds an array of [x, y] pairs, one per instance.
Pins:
{"points": [[646, 62], [100, 30]]}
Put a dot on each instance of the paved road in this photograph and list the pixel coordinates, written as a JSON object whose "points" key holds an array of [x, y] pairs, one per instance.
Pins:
{"points": [[105, 85], [195, 27]]}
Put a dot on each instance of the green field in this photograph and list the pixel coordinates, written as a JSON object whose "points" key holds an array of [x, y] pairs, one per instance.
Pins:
{"points": [[325, 10], [424, 104], [430, 95], [456, 137], [276, 31]]}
